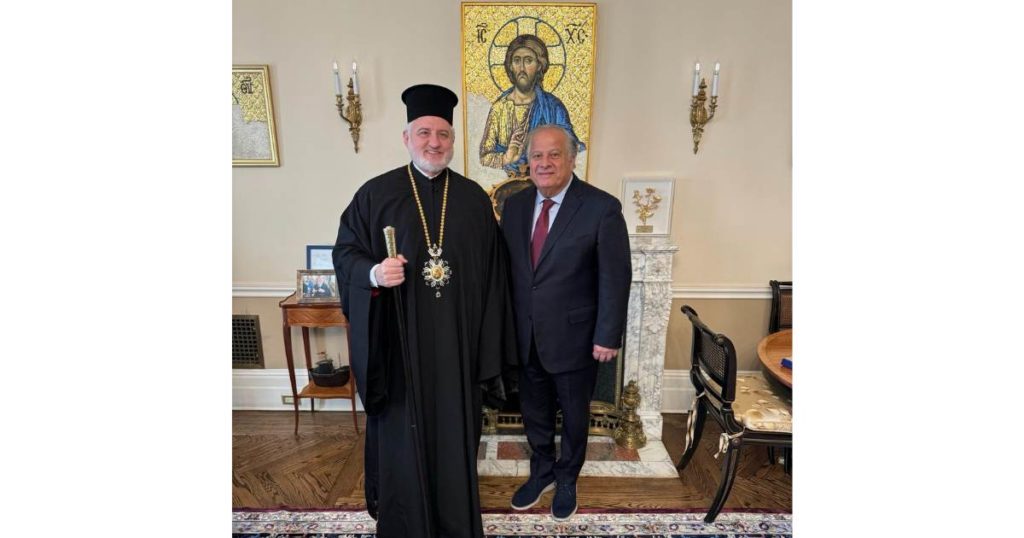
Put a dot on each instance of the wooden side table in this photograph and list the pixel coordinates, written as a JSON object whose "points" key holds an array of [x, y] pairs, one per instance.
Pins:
{"points": [[306, 315]]}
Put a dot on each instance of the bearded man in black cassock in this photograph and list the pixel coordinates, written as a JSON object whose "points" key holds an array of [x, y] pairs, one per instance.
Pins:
{"points": [[451, 280]]}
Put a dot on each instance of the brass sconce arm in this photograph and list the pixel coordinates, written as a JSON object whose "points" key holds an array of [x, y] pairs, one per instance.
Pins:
{"points": [[352, 114], [699, 116]]}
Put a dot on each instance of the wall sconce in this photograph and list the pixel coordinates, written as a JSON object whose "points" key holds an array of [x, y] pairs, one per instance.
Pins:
{"points": [[353, 113], [699, 116]]}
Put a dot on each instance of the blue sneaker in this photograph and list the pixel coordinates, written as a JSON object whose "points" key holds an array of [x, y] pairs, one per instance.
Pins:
{"points": [[529, 493], [564, 505]]}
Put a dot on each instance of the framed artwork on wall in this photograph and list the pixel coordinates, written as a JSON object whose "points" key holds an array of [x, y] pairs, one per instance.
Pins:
{"points": [[647, 205], [524, 65], [253, 134], [319, 257]]}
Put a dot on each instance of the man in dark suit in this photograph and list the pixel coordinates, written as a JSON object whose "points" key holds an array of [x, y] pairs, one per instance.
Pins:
{"points": [[570, 272]]}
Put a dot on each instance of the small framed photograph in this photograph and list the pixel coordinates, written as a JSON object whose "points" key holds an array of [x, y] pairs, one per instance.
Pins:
{"points": [[317, 286], [319, 257], [647, 205]]}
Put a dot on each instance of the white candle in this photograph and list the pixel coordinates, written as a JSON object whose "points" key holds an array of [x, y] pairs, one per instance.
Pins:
{"points": [[355, 78], [714, 80], [696, 78], [337, 79]]}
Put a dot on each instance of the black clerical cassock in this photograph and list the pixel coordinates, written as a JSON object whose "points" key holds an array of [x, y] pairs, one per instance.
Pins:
{"points": [[457, 341]]}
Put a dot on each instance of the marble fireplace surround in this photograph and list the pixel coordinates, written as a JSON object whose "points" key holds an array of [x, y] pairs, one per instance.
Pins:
{"points": [[650, 304]]}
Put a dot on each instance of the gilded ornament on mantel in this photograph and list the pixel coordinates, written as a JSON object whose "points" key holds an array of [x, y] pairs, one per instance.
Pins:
{"points": [[646, 205]]}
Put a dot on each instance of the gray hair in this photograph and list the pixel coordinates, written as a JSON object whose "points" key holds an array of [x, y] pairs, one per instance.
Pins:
{"points": [[408, 127], [570, 140]]}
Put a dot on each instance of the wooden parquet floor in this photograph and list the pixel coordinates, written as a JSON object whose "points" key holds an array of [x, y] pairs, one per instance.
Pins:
{"points": [[322, 468]]}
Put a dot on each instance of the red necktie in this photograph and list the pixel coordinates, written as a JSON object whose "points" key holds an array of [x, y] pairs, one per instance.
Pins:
{"points": [[540, 231]]}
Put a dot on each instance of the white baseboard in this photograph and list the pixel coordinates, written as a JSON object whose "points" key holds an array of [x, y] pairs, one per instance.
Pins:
{"points": [[677, 392], [262, 390]]}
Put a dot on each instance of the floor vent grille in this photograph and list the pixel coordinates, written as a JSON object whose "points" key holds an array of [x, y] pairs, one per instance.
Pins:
{"points": [[246, 343]]}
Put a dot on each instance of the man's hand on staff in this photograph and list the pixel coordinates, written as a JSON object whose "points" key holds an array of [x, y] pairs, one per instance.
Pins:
{"points": [[391, 272]]}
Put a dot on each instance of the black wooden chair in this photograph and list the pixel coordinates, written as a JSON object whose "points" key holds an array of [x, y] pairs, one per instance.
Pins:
{"points": [[782, 306], [747, 408]]}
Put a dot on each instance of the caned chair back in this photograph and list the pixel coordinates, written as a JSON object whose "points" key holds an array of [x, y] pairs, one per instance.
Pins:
{"points": [[782, 306], [713, 361]]}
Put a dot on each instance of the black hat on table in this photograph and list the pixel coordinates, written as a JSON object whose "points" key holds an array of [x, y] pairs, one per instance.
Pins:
{"points": [[429, 100]]}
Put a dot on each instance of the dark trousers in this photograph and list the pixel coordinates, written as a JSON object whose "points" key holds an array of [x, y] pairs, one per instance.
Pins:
{"points": [[541, 395]]}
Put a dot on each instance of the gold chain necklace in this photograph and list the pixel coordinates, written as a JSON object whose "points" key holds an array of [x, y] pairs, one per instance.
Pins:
{"points": [[436, 271]]}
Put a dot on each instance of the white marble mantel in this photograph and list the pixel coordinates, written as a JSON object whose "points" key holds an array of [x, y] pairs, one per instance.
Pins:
{"points": [[650, 304]]}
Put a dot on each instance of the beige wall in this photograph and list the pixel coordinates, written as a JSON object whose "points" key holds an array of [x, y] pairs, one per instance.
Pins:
{"points": [[744, 321], [731, 211]]}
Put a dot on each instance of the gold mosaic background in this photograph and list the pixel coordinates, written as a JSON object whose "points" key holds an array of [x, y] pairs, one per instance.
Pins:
{"points": [[254, 106], [568, 30]]}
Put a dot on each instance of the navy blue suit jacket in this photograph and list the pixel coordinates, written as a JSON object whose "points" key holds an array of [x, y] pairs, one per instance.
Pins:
{"points": [[578, 295]]}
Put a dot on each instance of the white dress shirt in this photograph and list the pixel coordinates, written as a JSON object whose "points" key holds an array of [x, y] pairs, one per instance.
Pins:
{"points": [[557, 199]]}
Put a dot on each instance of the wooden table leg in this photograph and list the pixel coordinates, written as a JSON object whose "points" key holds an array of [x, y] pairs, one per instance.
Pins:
{"points": [[309, 362], [291, 367]]}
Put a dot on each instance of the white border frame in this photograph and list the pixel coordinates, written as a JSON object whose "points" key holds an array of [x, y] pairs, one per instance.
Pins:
{"points": [[662, 220]]}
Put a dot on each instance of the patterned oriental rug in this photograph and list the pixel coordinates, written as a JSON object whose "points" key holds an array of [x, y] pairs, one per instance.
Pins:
{"points": [[586, 524]]}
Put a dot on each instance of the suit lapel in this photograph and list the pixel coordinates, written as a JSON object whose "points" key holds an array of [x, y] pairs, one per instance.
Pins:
{"points": [[570, 205], [526, 214]]}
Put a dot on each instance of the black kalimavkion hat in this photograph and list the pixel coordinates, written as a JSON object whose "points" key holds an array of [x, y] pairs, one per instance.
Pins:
{"points": [[429, 100]]}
